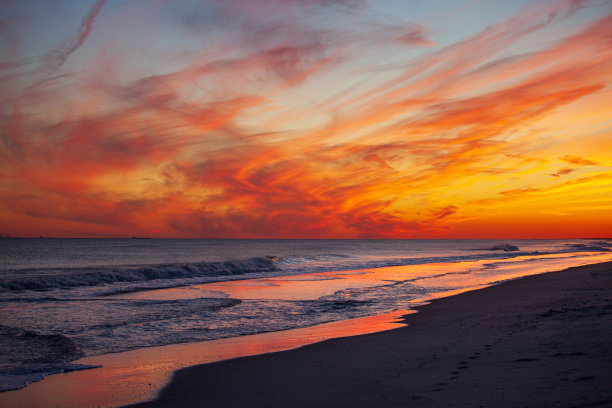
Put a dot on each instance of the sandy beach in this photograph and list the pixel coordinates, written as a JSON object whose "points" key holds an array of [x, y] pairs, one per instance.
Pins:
{"points": [[539, 341]]}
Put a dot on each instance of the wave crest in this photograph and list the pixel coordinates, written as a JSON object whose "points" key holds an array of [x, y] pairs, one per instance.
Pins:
{"points": [[595, 246], [503, 247], [94, 277], [29, 356]]}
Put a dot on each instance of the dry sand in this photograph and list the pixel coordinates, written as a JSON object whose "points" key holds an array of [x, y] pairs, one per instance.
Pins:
{"points": [[540, 341]]}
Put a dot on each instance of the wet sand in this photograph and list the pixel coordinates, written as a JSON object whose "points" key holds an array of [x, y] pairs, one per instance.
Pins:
{"points": [[138, 375], [539, 341]]}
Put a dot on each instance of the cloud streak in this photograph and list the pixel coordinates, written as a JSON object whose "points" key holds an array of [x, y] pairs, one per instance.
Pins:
{"points": [[59, 55], [305, 119]]}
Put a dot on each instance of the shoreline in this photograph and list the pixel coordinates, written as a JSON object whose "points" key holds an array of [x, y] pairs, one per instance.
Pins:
{"points": [[138, 375], [540, 340]]}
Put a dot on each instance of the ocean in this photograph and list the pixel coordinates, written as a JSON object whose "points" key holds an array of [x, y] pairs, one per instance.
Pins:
{"points": [[62, 299]]}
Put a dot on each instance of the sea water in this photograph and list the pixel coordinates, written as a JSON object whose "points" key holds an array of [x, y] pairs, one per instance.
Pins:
{"points": [[61, 299]]}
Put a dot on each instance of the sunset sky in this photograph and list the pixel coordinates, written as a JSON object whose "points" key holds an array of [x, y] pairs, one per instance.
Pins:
{"points": [[306, 118]]}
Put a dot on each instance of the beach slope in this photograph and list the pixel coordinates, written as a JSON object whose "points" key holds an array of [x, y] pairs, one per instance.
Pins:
{"points": [[539, 341]]}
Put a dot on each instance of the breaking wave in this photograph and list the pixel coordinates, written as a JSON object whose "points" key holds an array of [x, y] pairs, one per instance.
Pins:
{"points": [[46, 279], [503, 247], [595, 246], [29, 356]]}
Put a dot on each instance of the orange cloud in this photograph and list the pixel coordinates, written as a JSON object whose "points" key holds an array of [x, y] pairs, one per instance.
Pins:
{"points": [[281, 119], [577, 160], [563, 171]]}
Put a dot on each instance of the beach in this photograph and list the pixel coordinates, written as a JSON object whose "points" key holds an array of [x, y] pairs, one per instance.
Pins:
{"points": [[305, 203], [538, 341]]}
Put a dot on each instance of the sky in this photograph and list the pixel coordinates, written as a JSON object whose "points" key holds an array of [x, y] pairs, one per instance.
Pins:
{"points": [[306, 118]]}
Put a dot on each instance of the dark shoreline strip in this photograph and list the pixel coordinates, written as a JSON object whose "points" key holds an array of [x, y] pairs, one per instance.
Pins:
{"points": [[538, 341]]}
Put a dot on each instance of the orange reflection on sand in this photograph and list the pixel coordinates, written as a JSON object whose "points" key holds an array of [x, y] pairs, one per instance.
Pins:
{"points": [[293, 289], [138, 375], [303, 287], [443, 276]]}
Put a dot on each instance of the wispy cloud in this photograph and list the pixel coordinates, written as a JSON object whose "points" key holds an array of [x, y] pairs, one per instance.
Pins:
{"points": [[58, 56], [299, 119], [577, 160], [563, 171]]}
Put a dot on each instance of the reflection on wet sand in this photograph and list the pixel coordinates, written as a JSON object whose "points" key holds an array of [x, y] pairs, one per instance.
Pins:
{"points": [[316, 285], [138, 375]]}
